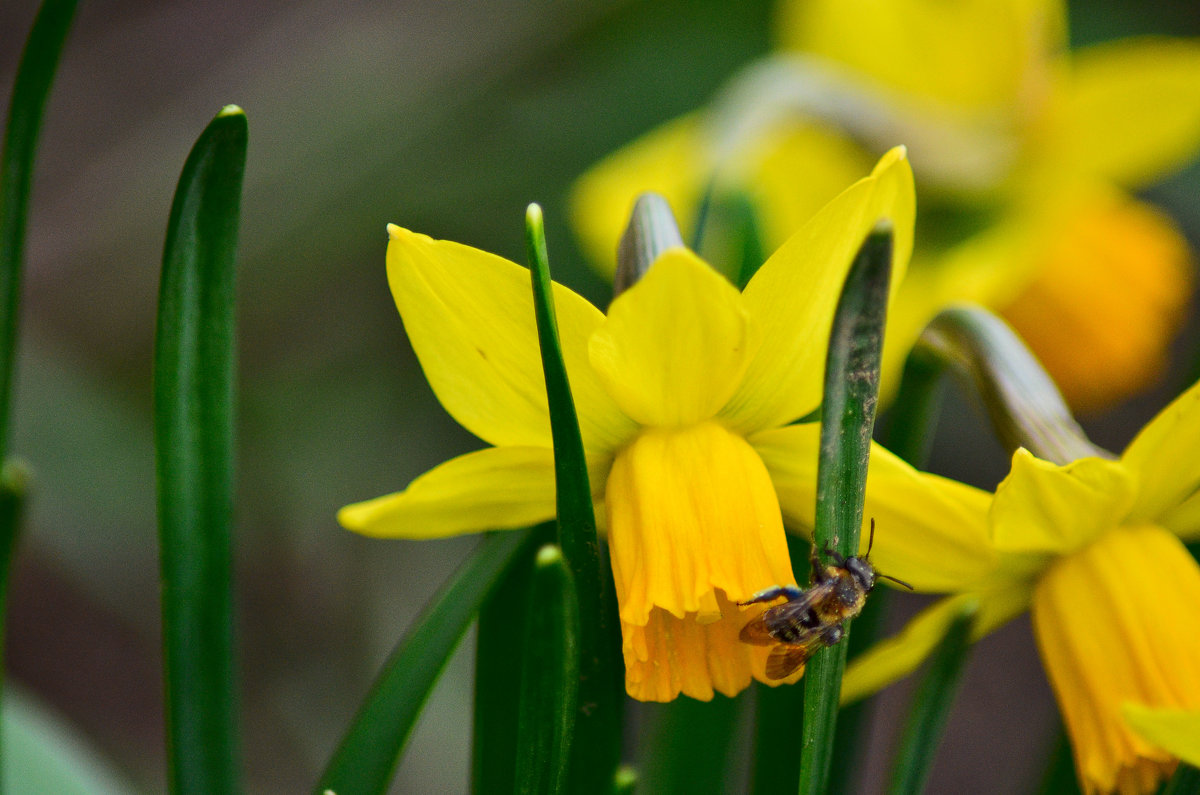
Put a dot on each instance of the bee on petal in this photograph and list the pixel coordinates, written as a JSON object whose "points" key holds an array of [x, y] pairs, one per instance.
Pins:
{"points": [[812, 617]]}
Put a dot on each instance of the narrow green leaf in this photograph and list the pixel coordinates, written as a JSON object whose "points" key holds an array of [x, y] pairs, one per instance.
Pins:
{"points": [[847, 423], [1059, 778], [499, 655], [597, 743], [14, 481], [550, 679], [39, 62], [1185, 781], [778, 712], [366, 757], [922, 733], [193, 424], [912, 419], [690, 744]]}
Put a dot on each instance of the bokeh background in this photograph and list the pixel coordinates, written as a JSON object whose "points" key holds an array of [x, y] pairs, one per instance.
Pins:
{"points": [[448, 119]]}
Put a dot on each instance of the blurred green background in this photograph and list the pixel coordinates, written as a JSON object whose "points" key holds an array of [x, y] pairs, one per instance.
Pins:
{"points": [[445, 118]]}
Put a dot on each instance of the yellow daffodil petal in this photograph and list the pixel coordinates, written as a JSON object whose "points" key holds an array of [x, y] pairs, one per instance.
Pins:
{"points": [[897, 657], [469, 316], [674, 346], [691, 510], [1045, 508], [671, 161], [671, 655], [1163, 454], [1174, 730], [978, 55], [794, 295], [1109, 291], [1129, 110], [929, 531], [497, 488], [1116, 622]]}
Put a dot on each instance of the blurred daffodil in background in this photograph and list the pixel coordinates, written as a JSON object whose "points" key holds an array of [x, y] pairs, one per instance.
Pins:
{"points": [[1094, 549], [672, 387], [1025, 153]]}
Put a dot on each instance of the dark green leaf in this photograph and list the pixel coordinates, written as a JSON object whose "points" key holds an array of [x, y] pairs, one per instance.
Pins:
{"points": [[1059, 778], [39, 61], [14, 480], [499, 654], [1185, 781], [778, 712], [550, 679], [931, 704], [367, 755], [690, 745], [913, 416], [847, 423], [597, 742], [193, 423]]}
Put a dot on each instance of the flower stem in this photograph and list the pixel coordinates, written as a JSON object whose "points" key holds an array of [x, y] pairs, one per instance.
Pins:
{"points": [[1025, 406], [847, 423]]}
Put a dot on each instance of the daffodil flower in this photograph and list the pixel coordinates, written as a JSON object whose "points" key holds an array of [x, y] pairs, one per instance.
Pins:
{"points": [[671, 388], [1026, 154], [1094, 549]]}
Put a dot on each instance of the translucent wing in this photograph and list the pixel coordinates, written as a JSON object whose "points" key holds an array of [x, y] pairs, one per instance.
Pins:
{"points": [[755, 632], [785, 660], [763, 630]]}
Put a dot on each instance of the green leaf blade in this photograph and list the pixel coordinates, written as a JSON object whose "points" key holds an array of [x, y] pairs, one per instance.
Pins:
{"points": [[35, 75], [550, 677], [931, 704], [597, 743], [367, 755], [193, 421], [847, 423]]}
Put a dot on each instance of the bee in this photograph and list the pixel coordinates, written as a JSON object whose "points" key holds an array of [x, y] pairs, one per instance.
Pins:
{"points": [[812, 617]]}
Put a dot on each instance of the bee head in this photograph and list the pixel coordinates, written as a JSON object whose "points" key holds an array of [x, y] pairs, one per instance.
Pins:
{"points": [[862, 572]]}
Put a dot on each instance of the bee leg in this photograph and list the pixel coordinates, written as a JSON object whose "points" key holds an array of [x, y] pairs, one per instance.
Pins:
{"points": [[788, 591], [832, 635], [818, 568]]}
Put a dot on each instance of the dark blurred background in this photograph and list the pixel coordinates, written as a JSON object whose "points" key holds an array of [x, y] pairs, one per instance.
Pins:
{"points": [[448, 119]]}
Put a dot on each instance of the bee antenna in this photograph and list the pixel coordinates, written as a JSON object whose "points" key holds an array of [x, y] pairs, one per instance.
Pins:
{"points": [[893, 579], [871, 539]]}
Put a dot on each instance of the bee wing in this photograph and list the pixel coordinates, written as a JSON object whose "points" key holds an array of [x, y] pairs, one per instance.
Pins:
{"points": [[755, 632], [784, 660], [793, 611]]}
